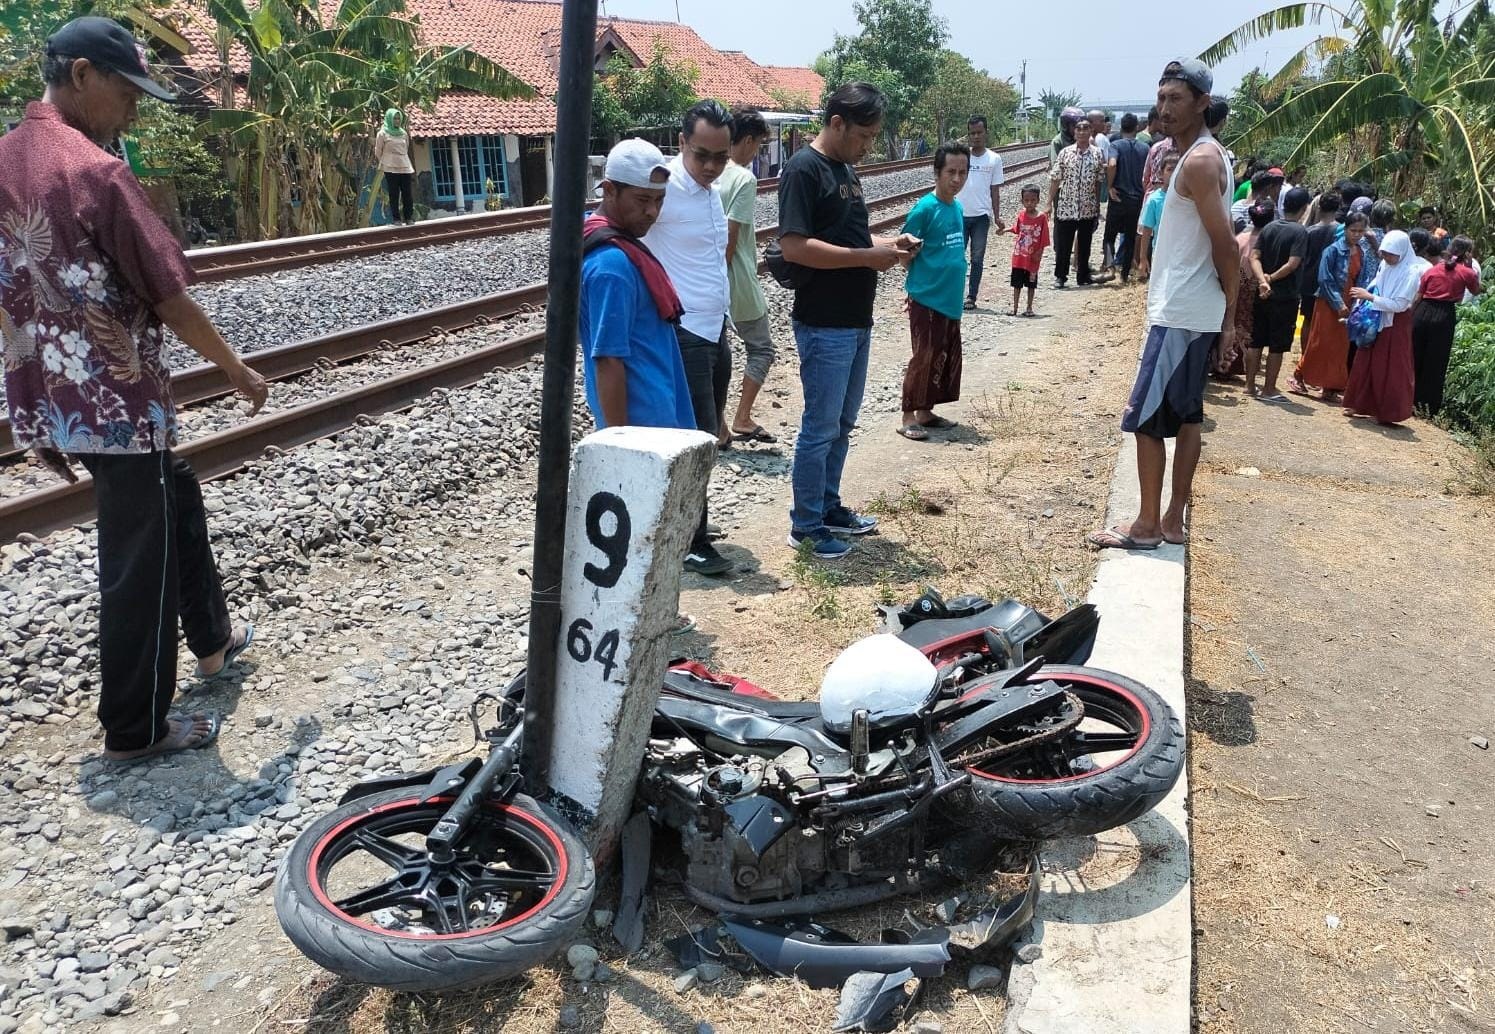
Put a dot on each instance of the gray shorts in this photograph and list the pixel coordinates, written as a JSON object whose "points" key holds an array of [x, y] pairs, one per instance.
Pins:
{"points": [[758, 344]]}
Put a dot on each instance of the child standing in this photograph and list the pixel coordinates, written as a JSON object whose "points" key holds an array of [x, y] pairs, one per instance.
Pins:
{"points": [[936, 292], [1152, 216], [1032, 232]]}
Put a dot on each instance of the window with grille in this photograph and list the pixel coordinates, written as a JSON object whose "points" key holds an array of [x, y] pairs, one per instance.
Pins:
{"points": [[481, 159]]}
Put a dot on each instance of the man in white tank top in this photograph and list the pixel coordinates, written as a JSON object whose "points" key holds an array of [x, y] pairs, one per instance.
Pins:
{"points": [[1191, 302]]}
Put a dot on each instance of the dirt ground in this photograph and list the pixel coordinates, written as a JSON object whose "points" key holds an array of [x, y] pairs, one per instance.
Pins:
{"points": [[1341, 646], [998, 505]]}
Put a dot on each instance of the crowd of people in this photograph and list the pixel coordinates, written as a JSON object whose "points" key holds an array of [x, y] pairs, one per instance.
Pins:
{"points": [[669, 267]]}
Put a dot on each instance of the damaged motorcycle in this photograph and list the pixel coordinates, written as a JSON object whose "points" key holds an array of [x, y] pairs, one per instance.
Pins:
{"points": [[932, 746]]}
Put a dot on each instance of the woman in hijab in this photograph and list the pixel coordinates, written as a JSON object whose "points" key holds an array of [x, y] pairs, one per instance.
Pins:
{"points": [[1381, 382], [392, 152], [1346, 264]]}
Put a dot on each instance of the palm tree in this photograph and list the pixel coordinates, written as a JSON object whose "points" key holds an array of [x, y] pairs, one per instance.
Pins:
{"points": [[1406, 93], [314, 88]]}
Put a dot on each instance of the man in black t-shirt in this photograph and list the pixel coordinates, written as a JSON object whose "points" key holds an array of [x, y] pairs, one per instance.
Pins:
{"points": [[1275, 259], [1124, 173], [823, 226]]}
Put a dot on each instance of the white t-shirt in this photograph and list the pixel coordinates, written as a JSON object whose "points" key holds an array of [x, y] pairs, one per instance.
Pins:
{"points": [[1104, 143], [986, 172], [1468, 297], [690, 241]]}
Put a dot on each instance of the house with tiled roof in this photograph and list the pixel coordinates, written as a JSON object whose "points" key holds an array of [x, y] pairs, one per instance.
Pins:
{"points": [[468, 142]]}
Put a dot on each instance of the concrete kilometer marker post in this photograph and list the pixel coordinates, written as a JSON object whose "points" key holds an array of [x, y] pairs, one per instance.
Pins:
{"points": [[635, 500]]}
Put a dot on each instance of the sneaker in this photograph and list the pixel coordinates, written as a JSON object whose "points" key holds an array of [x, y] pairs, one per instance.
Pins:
{"points": [[1059, 285], [823, 545], [970, 305], [705, 559], [843, 520]]}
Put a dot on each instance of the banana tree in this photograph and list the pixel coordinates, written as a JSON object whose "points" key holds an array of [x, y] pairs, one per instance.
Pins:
{"points": [[315, 86], [1407, 94]]}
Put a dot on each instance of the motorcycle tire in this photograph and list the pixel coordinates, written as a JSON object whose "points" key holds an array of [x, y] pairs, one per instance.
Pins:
{"points": [[409, 958], [1023, 803]]}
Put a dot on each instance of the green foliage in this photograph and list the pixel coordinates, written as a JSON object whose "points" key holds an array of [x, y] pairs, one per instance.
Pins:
{"points": [[1389, 92], [171, 140], [316, 85], [1469, 394], [960, 90], [649, 97], [1055, 101], [899, 50]]}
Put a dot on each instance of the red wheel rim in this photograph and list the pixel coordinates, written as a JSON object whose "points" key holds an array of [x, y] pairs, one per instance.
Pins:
{"points": [[1098, 695], [541, 840]]}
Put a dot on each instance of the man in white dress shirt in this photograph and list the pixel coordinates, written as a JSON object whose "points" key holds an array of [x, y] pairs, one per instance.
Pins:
{"points": [[690, 241]]}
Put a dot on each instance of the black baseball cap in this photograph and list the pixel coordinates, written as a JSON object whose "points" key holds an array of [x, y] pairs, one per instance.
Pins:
{"points": [[1195, 73], [108, 45]]}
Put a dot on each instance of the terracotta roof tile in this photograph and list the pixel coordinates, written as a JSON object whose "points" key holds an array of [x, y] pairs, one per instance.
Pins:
{"points": [[522, 36], [803, 84], [728, 77], [458, 112]]}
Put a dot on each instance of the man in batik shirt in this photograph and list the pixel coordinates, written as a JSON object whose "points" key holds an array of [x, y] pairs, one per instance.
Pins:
{"points": [[88, 275]]}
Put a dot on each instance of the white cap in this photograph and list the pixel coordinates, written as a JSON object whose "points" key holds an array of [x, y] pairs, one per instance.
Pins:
{"points": [[632, 164]]}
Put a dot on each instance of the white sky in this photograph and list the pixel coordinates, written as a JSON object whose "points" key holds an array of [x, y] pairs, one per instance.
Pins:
{"points": [[1109, 50]]}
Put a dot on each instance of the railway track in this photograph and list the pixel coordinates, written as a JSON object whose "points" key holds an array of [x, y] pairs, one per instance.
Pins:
{"points": [[223, 452], [236, 260]]}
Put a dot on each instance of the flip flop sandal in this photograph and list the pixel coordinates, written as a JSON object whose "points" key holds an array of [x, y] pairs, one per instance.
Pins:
{"points": [[1113, 539], [215, 726], [1277, 399], [939, 423], [683, 623], [757, 434], [230, 655], [914, 433]]}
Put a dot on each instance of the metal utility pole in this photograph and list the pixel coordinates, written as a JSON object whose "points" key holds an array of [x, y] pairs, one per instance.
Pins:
{"points": [[568, 208], [1022, 105]]}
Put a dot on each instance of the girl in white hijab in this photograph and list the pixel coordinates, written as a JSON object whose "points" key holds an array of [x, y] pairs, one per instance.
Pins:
{"points": [[1381, 382], [1394, 288]]}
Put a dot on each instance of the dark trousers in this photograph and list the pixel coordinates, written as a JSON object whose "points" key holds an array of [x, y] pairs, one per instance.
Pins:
{"points": [[155, 567], [978, 227], [1121, 220], [1073, 237], [708, 373], [1433, 325], [401, 187]]}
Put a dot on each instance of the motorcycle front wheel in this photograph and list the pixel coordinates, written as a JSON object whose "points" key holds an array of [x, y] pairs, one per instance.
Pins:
{"points": [[358, 894], [1122, 759]]}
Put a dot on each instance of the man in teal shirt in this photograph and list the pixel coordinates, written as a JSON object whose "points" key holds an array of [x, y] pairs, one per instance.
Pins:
{"points": [[936, 292]]}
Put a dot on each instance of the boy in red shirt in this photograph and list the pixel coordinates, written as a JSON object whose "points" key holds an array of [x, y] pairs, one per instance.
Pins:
{"points": [[1032, 232]]}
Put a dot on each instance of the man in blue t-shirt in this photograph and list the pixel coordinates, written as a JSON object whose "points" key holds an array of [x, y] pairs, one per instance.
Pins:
{"points": [[631, 363], [630, 357]]}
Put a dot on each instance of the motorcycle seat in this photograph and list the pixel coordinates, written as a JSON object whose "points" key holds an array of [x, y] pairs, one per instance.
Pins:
{"points": [[784, 710]]}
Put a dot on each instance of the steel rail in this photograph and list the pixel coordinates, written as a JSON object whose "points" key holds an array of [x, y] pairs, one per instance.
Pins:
{"points": [[205, 381], [222, 452], [236, 260]]}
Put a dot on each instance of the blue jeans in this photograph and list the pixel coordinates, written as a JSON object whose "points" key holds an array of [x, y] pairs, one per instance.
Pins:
{"points": [[977, 228], [833, 374]]}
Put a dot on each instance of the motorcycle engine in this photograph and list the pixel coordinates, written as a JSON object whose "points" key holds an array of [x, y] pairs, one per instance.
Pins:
{"points": [[737, 828]]}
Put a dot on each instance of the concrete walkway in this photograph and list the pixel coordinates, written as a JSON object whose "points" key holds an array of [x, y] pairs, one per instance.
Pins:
{"points": [[1114, 919]]}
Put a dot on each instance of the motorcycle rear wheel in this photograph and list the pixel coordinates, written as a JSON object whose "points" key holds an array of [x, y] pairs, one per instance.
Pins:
{"points": [[1091, 779], [516, 893]]}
